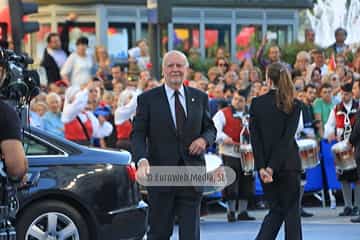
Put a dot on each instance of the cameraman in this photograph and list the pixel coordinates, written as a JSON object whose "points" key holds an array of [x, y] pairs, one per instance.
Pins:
{"points": [[12, 152]]}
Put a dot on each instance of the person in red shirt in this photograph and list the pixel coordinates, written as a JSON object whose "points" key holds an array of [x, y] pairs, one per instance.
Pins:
{"points": [[230, 123]]}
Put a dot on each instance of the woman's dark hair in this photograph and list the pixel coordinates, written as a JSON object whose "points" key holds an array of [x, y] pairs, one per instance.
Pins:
{"points": [[314, 70], [223, 59], [285, 91], [83, 41]]}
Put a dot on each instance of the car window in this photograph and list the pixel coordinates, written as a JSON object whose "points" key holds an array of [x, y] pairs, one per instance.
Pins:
{"points": [[33, 147]]}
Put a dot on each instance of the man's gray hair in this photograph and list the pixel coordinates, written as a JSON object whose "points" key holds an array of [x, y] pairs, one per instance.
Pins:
{"points": [[53, 95], [181, 54]]}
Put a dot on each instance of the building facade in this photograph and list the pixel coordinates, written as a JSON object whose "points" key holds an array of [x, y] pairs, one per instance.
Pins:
{"points": [[236, 25]]}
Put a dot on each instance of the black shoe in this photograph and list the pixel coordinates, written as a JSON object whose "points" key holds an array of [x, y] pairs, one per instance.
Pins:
{"points": [[355, 211], [244, 216], [355, 220], [231, 217], [347, 212], [305, 214]]}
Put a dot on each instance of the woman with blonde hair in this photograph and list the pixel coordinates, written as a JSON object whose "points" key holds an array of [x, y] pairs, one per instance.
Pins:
{"points": [[274, 120], [102, 67]]}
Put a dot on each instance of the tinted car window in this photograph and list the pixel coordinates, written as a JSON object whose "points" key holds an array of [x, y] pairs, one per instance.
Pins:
{"points": [[33, 146]]}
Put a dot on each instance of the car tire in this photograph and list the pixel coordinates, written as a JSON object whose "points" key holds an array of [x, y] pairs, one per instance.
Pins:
{"points": [[36, 218]]}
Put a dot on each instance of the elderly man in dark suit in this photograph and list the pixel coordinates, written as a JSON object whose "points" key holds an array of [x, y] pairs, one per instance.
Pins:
{"points": [[172, 127]]}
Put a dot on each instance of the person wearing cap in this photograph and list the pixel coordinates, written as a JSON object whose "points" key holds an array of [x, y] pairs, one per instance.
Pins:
{"points": [[229, 123], [103, 114], [337, 128]]}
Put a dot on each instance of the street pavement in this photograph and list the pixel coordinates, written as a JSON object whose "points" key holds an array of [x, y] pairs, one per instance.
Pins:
{"points": [[325, 225]]}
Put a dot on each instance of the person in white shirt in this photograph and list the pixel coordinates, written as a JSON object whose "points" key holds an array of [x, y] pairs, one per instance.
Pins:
{"points": [[319, 62], [126, 111], [230, 123], [338, 127], [141, 54], [79, 125], [76, 71]]}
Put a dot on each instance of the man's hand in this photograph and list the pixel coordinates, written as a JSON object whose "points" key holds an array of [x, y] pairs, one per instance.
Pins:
{"points": [[197, 147], [265, 176], [72, 17], [24, 182], [228, 140], [143, 169]]}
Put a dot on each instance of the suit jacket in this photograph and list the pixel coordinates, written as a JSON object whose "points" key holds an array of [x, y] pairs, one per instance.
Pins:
{"points": [[154, 135], [48, 62], [52, 69], [273, 134], [355, 140]]}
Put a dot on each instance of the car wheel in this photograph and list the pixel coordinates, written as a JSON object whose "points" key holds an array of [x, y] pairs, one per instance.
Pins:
{"points": [[51, 220]]}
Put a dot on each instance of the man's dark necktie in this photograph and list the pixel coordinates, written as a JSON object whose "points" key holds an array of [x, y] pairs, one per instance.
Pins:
{"points": [[179, 114]]}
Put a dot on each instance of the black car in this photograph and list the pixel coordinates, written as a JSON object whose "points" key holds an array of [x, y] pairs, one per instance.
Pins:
{"points": [[82, 194]]}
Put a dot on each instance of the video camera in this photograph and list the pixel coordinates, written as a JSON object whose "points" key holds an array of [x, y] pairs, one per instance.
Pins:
{"points": [[17, 83]]}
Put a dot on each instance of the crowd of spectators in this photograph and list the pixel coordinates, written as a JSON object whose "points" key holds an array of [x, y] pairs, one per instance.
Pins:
{"points": [[106, 91], [91, 99]]}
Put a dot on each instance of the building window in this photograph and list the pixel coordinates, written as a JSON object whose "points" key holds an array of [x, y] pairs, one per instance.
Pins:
{"points": [[85, 29], [121, 37], [280, 34], [164, 37], [217, 35], [185, 37], [144, 31], [247, 40]]}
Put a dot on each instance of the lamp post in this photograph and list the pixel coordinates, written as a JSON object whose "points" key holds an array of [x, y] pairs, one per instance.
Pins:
{"points": [[159, 15]]}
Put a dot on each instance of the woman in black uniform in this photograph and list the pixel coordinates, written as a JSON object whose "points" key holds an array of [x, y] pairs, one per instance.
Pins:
{"points": [[274, 120]]}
